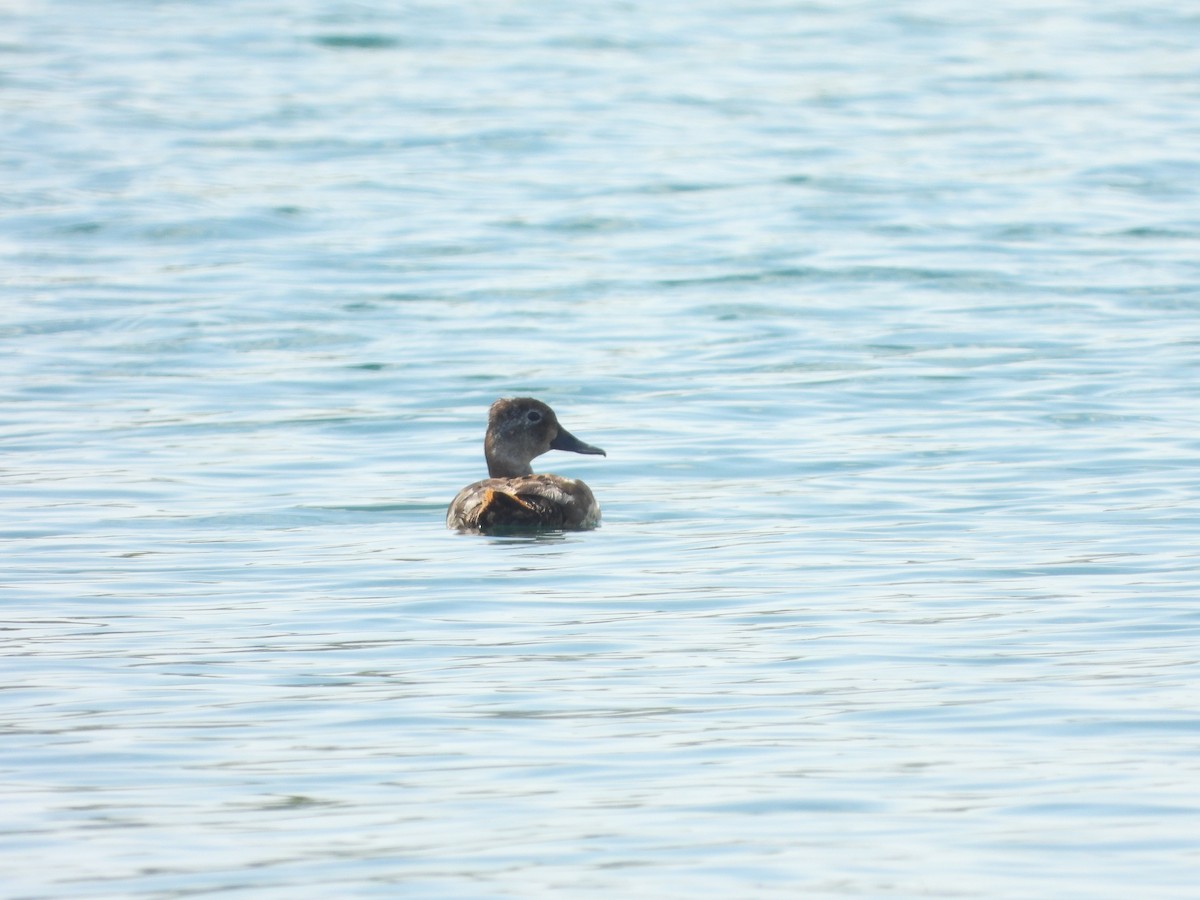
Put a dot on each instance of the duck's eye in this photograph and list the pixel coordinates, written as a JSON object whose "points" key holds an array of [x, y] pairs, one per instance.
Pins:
{"points": [[533, 416]]}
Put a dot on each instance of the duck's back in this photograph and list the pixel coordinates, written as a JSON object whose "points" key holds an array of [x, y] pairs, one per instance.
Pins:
{"points": [[525, 503]]}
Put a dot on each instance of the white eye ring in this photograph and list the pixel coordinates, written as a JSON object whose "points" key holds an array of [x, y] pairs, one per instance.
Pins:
{"points": [[533, 416]]}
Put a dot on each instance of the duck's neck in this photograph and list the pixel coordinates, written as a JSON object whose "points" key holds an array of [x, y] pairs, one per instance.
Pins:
{"points": [[506, 467]]}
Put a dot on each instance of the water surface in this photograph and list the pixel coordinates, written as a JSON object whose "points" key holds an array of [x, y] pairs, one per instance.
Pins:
{"points": [[888, 319]]}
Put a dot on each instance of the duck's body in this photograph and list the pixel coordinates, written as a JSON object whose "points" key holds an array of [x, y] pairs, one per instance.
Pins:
{"points": [[513, 498], [528, 503]]}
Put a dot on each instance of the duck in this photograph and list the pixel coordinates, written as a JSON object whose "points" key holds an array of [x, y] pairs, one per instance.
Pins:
{"points": [[512, 498]]}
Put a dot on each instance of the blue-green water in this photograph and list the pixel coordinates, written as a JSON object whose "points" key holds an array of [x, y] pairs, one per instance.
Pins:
{"points": [[888, 317]]}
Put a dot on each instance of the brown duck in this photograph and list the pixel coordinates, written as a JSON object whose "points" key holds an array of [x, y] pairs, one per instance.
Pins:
{"points": [[513, 498]]}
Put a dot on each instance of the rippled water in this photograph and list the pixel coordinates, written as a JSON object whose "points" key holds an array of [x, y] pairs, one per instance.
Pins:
{"points": [[888, 317]]}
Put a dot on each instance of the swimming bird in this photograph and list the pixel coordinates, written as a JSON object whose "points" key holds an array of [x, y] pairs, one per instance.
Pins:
{"points": [[512, 498]]}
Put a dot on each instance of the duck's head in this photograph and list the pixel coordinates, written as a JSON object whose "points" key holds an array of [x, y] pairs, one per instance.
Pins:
{"points": [[520, 429]]}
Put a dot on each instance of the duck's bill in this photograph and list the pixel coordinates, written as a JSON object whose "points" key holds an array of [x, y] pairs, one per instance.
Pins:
{"points": [[568, 441]]}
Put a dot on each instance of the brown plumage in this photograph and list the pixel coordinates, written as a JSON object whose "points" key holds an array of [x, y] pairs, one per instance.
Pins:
{"points": [[519, 430]]}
